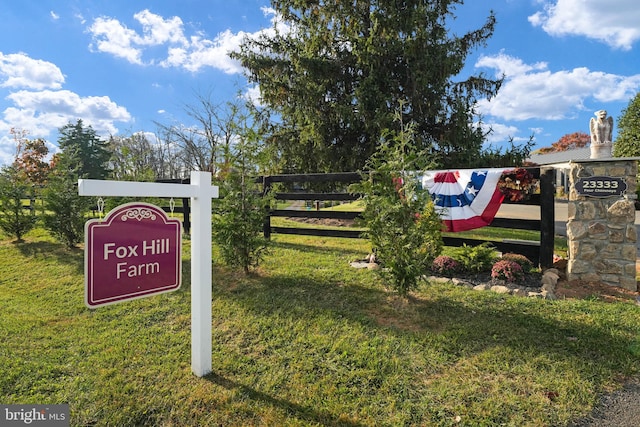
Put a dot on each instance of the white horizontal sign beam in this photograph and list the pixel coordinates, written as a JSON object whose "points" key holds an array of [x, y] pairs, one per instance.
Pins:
{"points": [[100, 187]]}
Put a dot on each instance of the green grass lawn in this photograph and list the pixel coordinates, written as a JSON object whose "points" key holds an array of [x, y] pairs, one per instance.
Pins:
{"points": [[307, 341]]}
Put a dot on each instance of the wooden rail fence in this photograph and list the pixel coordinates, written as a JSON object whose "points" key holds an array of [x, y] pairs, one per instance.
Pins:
{"points": [[540, 252]]}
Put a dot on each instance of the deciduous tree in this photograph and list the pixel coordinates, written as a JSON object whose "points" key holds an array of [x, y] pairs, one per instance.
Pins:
{"points": [[205, 143], [627, 143], [31, 161], [132, 158], [567, 142]]}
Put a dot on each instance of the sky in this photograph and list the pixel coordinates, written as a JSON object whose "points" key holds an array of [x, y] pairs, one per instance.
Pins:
{"points": [[123, 66]]}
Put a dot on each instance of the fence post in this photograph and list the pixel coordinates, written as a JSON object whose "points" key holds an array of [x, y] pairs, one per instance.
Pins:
{"points": [[186, 213], [547, 216], [266, 188]]}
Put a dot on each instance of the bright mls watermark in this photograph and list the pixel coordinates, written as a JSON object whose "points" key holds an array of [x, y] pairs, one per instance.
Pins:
{"points": [[35, 415]]}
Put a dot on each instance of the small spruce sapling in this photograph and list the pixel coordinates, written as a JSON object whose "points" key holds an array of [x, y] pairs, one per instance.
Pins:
{"points": [[239, 214], [65, 209], [15, 221], [402, 224]]}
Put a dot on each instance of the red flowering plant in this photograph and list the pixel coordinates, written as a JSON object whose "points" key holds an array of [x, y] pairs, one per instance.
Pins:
{"points": [[524, 262], [509, 271], [517, 184], [444, 265]]}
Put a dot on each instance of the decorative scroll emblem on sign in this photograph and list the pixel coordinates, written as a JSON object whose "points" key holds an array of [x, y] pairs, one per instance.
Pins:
{"points": [[601, 186], [135, 252]]}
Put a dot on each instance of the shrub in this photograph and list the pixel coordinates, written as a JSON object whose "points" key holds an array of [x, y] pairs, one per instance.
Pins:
{"points": [[506, 270], [14, 188], [239, 214], [402, 223], [524, 262], [445, 266], [477, 258], [66, 210], [238, 223]]}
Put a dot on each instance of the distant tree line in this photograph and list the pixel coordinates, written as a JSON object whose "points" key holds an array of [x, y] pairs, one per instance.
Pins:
{"points": [[224, 142]]}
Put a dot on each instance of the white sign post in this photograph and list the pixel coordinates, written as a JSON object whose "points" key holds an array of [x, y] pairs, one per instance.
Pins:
{"points": [[201, 192]]}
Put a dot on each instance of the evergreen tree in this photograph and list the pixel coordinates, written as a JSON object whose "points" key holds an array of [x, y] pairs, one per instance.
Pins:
{"points": [[627, 143], [335, 73], [91, 153], [14, 188], [240, 212], [401, 221], [65, 209]]}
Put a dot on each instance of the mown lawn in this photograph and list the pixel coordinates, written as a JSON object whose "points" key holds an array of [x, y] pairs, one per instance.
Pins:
{"points": [[306, 341]]}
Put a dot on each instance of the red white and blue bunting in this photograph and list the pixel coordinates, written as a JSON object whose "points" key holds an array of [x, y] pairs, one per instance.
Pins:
{"points": [[466, 198]]}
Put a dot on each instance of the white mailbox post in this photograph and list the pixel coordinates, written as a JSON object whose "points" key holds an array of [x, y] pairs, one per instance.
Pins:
{"points": [[201, 192]]}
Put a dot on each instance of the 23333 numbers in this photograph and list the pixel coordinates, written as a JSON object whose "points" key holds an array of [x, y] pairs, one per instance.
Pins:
{"points": [[600, 184]]}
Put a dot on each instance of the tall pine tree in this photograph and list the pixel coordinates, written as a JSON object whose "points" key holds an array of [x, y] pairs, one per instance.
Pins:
{"points": [[333, 73], [81, 143]]}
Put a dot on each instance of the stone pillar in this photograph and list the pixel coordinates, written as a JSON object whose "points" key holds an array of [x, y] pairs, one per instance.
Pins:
{"points": [[601, 230], [601, 151]]}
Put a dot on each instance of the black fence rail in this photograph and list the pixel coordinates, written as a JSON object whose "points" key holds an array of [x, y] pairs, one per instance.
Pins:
{"points": [[540, 252]]}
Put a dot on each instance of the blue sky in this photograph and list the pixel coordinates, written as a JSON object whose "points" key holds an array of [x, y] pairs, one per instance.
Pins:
{"points": [[123, 65]]}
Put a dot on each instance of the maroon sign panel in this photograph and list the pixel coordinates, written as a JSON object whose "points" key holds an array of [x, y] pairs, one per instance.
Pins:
{"points": [[136, 251]]}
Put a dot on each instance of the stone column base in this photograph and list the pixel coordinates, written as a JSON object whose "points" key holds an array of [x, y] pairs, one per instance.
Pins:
{"points": [[601, 151], [601, 231]]}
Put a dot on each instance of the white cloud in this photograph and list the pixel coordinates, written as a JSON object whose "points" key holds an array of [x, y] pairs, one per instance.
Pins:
{"points": [[193, 52], [509, 66], [17, 70], [201, 53], [614, 22], [535, 92], [38, 105], [498, 133], [44, 111], [110, 36], [35, 98], [253, 94], [7, 149], [54, 15], [157, 31]]}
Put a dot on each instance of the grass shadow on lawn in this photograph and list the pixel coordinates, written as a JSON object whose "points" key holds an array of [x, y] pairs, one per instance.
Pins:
{"points": [[308, 340], [458, 324], [475, 351], [61, 254], [295, 410]]}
